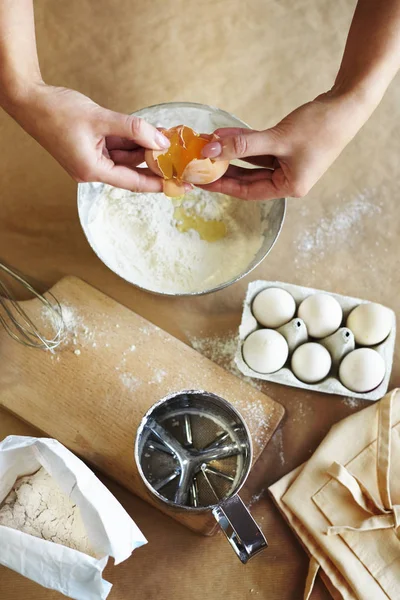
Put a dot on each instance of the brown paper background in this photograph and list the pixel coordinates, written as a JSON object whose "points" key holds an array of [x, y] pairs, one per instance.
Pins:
{"points": [[258, 59]]}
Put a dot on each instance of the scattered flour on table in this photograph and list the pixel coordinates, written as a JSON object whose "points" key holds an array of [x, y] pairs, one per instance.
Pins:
{"points": [[277, 445], [38, 507], [338, 228], [75, 325], [130, 381], [78, 336], [302, 411], [351, 402], [221, 350], [253, 412], [254, 499], [159, 375], [136, 235], [76, 331]]}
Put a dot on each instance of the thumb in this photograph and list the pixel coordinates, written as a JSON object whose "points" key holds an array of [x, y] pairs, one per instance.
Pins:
{"points": [[136, 129], [240, 144]]}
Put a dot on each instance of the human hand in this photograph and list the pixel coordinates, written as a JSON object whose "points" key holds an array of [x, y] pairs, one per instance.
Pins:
{"points": [[89, 141], [293, 155]]}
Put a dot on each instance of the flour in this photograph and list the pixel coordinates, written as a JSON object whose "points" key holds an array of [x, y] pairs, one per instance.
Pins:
{"points": [[74, 326], [254, 499], [136, 235], [338, 228], [38, 507], [221, 350], [159, 375], [277, 445], [131, 382], [351, 402]]}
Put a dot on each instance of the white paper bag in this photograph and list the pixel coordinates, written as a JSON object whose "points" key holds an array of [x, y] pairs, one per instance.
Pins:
{"points": [[110, 529]]}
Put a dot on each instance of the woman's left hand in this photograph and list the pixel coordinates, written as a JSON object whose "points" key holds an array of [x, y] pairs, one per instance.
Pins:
{"points": [[293, 155]]}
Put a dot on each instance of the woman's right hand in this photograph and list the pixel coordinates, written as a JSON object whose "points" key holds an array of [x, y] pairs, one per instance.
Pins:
{"points": [[92, 143]]}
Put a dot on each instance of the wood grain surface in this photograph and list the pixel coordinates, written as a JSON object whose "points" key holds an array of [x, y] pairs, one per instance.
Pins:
{"points": [[259, 60], [93, 391]]}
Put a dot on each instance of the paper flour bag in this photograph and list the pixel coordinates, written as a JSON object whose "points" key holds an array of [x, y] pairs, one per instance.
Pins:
{"points": [[58, 523]]}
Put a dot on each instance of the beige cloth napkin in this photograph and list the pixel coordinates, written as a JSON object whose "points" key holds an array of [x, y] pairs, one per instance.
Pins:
{"points": [[344, 505]]}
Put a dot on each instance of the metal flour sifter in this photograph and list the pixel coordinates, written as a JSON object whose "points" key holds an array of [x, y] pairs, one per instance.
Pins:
{"points": [[194, 453]]}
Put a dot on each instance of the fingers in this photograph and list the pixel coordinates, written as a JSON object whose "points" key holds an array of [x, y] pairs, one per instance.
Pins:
{"points": [[262, 185], [256, 190], [113, 142], [127, 159], [267, 161], [135, 129], [128, 179], [227, 131], [247, 175], [125, 177], [214, 149], [241, 143]]}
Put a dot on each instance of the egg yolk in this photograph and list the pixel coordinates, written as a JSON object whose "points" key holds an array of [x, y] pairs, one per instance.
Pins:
{"points": [[186, 145], [210, 231]]}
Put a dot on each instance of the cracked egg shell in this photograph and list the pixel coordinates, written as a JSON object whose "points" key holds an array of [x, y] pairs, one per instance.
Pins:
{"points": [[183, 160]]}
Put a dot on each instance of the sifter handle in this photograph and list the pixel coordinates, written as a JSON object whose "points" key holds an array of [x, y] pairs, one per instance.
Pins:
{"points": [[241, 530]]}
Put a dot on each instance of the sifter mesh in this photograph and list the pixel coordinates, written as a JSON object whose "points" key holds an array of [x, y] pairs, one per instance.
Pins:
{"points": [[194, 451]]}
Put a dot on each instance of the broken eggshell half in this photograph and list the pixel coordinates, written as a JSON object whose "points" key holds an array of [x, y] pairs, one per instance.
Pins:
{"points": [[183, 162]]}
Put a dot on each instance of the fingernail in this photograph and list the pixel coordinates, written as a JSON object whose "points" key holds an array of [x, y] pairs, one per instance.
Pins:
{"points": [[162, 141], [212, 150]]}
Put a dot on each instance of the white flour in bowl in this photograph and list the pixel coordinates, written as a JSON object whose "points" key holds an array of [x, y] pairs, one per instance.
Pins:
{"points": [[136, 236]]}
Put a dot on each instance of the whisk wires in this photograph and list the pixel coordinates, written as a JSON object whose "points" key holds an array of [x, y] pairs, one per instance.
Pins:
{"points": [[17, 322]]}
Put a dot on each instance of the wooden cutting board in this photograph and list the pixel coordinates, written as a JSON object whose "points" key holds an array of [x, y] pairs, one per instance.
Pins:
{"points": [[93, 392]]}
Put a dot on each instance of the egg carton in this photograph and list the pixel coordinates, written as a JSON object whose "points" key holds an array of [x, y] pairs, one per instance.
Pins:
{"points": [[331, 384]]}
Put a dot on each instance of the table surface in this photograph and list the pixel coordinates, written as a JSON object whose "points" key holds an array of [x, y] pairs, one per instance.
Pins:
{"points": [[259, 60]]}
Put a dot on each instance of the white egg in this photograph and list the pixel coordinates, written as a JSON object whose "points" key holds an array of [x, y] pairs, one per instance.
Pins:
{"points": [[274, 307], [311, 362], [265, 351], [362, 370], [322, 314], [371, 323]]}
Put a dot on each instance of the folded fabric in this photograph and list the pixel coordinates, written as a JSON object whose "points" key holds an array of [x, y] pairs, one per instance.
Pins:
{"points": [[344, 505]]}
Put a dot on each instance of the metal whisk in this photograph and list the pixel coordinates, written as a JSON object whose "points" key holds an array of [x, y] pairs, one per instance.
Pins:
{"points": [[20, 326]]}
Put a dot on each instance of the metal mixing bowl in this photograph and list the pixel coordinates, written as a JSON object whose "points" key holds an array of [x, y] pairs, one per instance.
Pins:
{"points": [[272, 212]]}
